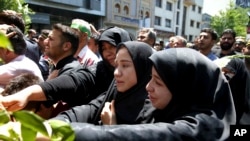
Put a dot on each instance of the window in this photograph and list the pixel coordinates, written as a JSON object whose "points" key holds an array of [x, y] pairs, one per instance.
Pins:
{"points": [[192, 23], [177, 18], [198, 24], [190, 37], [176, 30], [157, 20], [158, 3], [117, 8], [168, 23], [125, 10], [147, 14], [141, 14], [169, 6], [193, 7], [199, 10], [178, 4]]}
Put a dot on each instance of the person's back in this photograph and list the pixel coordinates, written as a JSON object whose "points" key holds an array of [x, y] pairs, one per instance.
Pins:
{"points": [[32, 51], [16, 62]]}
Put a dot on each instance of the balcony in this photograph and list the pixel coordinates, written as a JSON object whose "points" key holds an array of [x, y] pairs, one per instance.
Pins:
{"points": [[189, 2]]}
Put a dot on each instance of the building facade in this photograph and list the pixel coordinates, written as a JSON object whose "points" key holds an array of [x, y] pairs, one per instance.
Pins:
{"points": [[129, 14], [206, 20], [178, 17], [167, 17], [48, 12]]}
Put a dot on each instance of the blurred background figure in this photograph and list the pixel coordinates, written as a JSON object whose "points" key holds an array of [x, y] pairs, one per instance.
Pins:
{"points": [[147, 35], [179, 41], [44, 62], [93, 44], [83, 54], [239, 44]]}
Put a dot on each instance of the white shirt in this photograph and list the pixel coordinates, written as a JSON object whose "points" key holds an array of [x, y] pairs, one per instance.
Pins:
{"points": [[17, 66], [88, 57]]}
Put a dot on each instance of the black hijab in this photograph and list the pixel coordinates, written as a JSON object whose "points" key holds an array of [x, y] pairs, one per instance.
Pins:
{"points": [[239, 86], [128, 104], [104, 70], [114, 36], [196, 83]]}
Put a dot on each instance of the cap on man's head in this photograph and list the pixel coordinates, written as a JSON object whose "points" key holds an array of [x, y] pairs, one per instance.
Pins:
{"points": [[240, 40], [82, 25], [5, 43]]}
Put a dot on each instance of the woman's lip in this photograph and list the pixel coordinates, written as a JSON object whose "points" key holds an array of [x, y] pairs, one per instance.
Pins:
{"points": [[151, 97], [119, 81]]}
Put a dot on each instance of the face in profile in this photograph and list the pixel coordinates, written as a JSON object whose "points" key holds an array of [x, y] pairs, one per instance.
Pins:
{"points": [[158, 92], [125, 74]]}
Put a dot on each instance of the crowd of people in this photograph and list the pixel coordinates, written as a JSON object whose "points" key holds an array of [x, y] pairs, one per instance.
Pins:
{"points": [[109, 85]]}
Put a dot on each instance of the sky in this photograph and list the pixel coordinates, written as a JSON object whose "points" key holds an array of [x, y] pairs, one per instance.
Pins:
{"points": [[212, 7]]}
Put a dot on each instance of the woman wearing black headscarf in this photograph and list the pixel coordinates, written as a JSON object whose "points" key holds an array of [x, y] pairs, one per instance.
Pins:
{"points": [[197, 106], [130, 95], [238, 77]]}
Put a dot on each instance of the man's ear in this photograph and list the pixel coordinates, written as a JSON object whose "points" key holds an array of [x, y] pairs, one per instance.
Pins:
{"points": [[67, 46], [152, 41]]}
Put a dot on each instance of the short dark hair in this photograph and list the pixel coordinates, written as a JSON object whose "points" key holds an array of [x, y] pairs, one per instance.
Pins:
{"points": [[68, 35], [17, 40], [20, 82], [212, 32], [229, 31], [12, 17]]}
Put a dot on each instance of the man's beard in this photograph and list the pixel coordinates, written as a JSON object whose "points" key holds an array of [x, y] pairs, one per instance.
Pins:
{"points": [[226, 46]]}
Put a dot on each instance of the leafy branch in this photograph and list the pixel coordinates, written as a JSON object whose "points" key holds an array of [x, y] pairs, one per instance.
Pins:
{"points": [[27, 125]]}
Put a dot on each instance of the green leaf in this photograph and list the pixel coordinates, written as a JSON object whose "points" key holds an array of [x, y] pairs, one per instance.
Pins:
{"points": [[4, 117], [15, 136], [31, 121], [4, 42], [5, 138], [61, 130], [27, 134]]}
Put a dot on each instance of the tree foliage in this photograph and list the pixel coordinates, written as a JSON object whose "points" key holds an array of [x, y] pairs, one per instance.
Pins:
{"points": [[234, 17], [19, 6]]}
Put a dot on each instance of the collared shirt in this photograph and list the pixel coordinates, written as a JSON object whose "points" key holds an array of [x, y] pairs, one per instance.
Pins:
{"points": [[212, 56], [87, 57]]}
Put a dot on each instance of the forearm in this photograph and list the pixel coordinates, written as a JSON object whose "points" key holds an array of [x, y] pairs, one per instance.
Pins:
{"points": [[186, 129], [35, 93]]}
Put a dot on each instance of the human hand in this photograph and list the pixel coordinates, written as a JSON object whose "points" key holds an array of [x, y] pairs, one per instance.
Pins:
{"points": [[108, 116], [14, 102], [93, 29]]}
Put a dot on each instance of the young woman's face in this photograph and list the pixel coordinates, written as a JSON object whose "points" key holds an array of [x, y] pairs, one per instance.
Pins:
{"points": [[158, 92], [125, 74]]}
